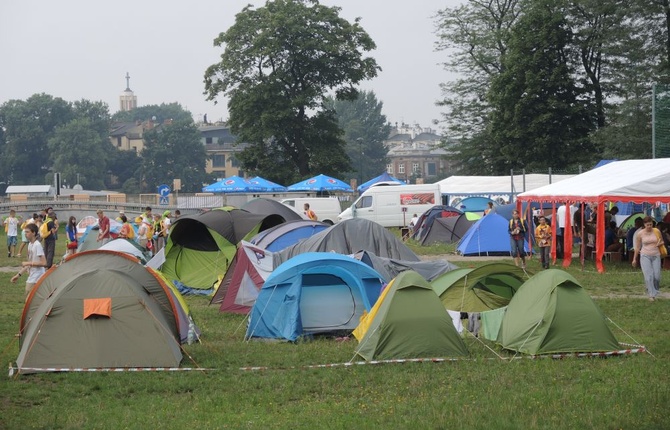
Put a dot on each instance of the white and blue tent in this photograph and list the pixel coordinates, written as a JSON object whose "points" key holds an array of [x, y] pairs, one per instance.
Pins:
{"points": [[489, 236], [315, 292]]}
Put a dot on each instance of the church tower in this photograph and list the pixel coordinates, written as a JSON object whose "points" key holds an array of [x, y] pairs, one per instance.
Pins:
{"points": [[128, 100]]}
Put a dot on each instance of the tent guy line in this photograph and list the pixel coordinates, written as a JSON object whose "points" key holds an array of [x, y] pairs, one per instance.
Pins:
{"points": [[629, 351]]}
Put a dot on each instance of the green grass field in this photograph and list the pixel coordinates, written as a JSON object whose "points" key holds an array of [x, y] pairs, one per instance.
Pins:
{"points": [[482, 392]]}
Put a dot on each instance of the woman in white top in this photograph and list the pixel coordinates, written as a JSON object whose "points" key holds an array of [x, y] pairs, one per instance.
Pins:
{"points": [[37, 262], [647, 253]]}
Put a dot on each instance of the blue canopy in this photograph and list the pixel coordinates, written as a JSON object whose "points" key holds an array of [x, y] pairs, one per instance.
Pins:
{"points": [[233, 184], [384, 177], [268, 185], [320, 183]]}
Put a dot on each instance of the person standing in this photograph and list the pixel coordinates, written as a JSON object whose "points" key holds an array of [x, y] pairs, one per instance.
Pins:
{"points": [[104, 226], [517, 232], [24, 239], [36, 263], [12, 230], [543, 239], [48, 233], [310, 213], [71, 236], [489, 209], [647, 253], [561, 214]]}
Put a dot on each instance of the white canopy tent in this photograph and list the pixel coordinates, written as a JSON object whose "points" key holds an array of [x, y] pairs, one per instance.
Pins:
{"points": [[636, 181], [496, 186]]}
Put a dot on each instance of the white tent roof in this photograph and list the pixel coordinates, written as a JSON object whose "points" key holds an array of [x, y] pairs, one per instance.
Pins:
{"points": [[636, 181], [496, 185], [28, 189]]}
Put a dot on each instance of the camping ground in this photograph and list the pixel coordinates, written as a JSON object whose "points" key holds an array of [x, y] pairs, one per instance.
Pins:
{"points": [[480, 392]]}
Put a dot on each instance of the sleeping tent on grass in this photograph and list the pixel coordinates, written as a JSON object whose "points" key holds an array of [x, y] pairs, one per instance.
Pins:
{"points": [[200, 248], [348, 237], [484, 288], [315, 292], [426, 219], [240, 286], [99, 309], [447, 230], [408, 321], [488, 236], [552, 313]]}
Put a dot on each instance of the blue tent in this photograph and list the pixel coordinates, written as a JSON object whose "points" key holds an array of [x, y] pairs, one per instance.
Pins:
{"points": [[488, 236], [268, 185], [315, 292], [288, 233], [233, 184], [384, 177], [320, 183]]}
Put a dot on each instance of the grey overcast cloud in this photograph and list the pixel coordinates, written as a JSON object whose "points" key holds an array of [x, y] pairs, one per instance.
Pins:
{"points": [[81, 49]]}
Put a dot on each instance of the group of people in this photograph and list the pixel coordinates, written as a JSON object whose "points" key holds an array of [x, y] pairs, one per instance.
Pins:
{"points": [[150, 230], [647, 240], [38, 234]]}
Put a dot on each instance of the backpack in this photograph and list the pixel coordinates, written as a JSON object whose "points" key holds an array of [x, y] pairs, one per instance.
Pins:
{"points": [[131, 232], [44, 229]]}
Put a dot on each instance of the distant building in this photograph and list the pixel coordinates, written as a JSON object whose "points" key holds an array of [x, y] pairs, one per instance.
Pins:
{"points": [[127, 99], [414, 153], [129, 136], [221, 150]]}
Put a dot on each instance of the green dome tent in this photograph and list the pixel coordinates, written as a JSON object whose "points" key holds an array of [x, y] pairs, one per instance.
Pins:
{"points": [[552, 313], [484, 288], [408, 321], [200, 248]]}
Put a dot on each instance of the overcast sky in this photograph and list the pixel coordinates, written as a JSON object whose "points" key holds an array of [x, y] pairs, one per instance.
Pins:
{"points": [[77, 49]]}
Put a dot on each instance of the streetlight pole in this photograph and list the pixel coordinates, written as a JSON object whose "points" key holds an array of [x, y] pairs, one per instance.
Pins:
{"points": [[360, 168]]}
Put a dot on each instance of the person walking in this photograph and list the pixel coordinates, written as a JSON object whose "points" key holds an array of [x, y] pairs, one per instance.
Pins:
{"points": [[543, 239], [647, 253], [517, 231], [36, 263], [310, 213]]}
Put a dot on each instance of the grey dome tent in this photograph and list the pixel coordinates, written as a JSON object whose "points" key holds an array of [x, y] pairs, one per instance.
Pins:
{"points": [[99, 309]]}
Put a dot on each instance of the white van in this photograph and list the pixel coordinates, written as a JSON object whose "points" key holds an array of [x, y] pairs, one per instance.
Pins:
{"points": [[394, 206], [326, 208]]}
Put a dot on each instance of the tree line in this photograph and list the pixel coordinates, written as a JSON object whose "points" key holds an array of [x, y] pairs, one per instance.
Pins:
{"points": [[551, 83], [44, 135]]}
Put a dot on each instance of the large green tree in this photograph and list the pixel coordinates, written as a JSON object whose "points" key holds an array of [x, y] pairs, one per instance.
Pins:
{"points": [[171, 152], [539, 117], [279, 63], [79, 153], [28, 125], [365, 130]]}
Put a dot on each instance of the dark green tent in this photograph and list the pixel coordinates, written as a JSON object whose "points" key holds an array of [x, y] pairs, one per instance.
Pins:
{"points": [[552, 313], [408, 321], [484, 288]]}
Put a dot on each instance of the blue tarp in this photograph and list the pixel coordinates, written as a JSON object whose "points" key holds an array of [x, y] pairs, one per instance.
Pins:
{"points": [[315, 292], [320, 183], [488, 236], [384, 177], [233, 184]]}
